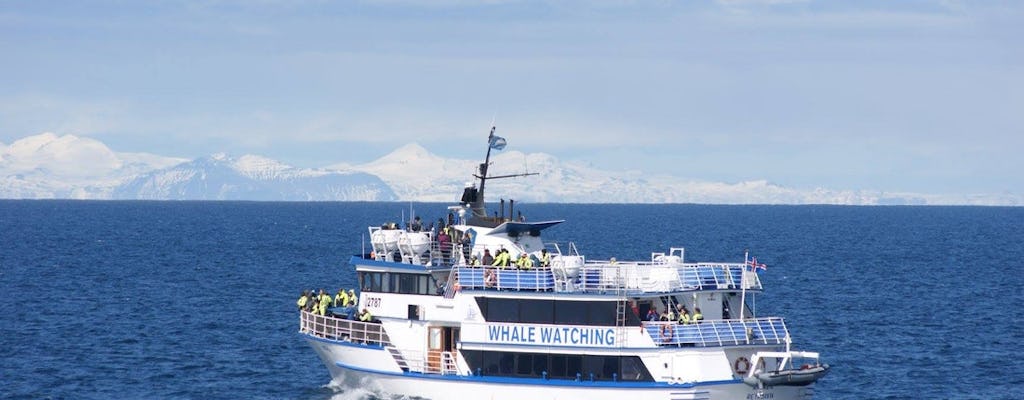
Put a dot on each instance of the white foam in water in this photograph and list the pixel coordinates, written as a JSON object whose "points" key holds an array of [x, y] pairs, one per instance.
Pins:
{"points": [[343, 391]]}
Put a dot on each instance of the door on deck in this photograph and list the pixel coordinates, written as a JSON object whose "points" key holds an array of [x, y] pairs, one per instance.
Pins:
{"points": [[440, 340]]}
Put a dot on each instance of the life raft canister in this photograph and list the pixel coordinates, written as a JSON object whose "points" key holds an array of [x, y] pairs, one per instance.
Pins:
{"points": [[741, 366]]}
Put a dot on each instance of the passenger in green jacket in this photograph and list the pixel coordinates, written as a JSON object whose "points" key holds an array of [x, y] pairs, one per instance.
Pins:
{"points": [[341, 298], [325, 301], [365, 316], [302, 300]]}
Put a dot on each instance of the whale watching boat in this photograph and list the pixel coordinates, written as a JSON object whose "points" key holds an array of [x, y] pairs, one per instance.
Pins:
{"points": [[549, 323]]}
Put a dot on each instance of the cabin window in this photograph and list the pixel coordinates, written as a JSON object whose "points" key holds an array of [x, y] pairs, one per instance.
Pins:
{"points": [[396, 282], [594, 313], [571, 312], [557, 366]]}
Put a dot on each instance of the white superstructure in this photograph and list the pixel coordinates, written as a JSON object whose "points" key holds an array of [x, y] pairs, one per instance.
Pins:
{"points": [[446, 327]]}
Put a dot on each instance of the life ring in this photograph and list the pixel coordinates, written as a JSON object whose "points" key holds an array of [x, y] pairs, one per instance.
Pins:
{"points": [[741, 366], [666, 333]]}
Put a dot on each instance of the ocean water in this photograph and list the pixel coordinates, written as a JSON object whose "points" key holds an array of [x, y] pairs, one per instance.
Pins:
{"points": [[196, 299]]}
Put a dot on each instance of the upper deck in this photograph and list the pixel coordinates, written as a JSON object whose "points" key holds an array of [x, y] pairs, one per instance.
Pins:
{"points": [[620, 278]]}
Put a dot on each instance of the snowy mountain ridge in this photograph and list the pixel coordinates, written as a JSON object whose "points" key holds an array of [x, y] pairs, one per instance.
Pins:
{"points": [[52, 166]]}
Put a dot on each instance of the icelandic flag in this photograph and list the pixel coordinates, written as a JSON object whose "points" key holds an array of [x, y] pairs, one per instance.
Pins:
{"points": [[754, 266], [496, 142]]}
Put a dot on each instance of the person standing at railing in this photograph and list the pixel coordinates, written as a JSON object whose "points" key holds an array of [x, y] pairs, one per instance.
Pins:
{"points": [[365, 316], [502, 259], [341, 299], [697, 316], [352, 299], [524, 262], [545, 258], [444, 242], [325, 301], [487, 259], [303, 299], [684, 315]]}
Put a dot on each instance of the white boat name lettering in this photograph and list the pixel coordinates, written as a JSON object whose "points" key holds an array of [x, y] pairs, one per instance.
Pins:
{"points": [[551, 335]]}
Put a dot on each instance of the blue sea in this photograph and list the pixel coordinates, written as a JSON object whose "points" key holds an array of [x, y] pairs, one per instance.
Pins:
{"points": [[112, 299]]}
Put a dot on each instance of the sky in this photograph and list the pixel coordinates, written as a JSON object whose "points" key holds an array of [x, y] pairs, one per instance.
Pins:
{"points": [[911, 96]]}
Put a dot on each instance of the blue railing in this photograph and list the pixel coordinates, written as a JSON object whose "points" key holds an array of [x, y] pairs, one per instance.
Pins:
{"points": [[713, 333], [538, 279]]}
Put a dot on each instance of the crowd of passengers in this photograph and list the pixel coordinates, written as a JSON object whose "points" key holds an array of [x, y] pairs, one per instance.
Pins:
{"points": [[447, 237], [681, 315], [318, 303]]}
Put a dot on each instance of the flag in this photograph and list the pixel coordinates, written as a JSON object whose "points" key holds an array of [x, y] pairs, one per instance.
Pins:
{"points": [[496, 142], [754, 266]]}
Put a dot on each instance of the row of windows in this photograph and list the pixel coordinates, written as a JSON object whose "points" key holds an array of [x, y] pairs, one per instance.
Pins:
{"points": [[397, 282], [557, 366], [562, 312]]}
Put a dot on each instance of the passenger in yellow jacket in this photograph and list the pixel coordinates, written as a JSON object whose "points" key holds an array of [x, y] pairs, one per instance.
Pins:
{"points": [[325, 301], [341, 298], [302, 300], [365, 316], [524, 262]]}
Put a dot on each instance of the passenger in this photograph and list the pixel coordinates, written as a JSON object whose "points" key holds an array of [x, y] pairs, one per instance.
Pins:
{"points": [[666, 315], [652, 314], [684, 316], [341, 298], [490, 277], [635, 308], [545, 259], [613, 261], [416, 224], [697, 316], [501, 260], [303, 299], [365, 316], [524, 262], [467, 245], [325, 301], [488, 259], [352, 299], [445, 243], [474, 261]]}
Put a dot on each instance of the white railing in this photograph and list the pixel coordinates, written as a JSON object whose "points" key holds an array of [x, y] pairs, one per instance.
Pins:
{"points": [[341, 329], [646, 277], [714, 333]]}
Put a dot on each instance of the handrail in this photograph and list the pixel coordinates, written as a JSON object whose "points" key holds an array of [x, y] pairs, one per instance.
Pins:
{"points": [[715, 333], [340, 329], [373, 334], [629, 278]]}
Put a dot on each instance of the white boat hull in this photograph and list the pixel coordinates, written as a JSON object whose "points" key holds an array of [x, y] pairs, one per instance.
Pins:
{"points": [[375, 370]]}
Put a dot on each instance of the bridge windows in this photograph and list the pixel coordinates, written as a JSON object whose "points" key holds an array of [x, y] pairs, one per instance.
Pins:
{"points": [[562, 312], [397, 282]]}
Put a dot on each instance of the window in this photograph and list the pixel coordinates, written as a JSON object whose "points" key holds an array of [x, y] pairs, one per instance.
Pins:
{"points": [[557, 366]]}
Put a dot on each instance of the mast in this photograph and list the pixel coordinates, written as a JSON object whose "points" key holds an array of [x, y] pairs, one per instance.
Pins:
{"points": [[476, 199], [479, 210]]}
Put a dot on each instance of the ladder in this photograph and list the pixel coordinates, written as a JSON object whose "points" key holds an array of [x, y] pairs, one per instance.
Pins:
{"points": [[620, 308]]}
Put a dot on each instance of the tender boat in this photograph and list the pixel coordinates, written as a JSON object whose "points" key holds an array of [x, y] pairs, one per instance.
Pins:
{"points": [[433, 321]]}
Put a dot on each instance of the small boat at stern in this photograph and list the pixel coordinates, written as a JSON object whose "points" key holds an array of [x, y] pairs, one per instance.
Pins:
{"points": [[481, 306]]}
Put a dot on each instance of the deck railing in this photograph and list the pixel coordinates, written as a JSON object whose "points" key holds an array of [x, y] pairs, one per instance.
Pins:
{"points": [[341, 329], [628, 278], [713, 333]]}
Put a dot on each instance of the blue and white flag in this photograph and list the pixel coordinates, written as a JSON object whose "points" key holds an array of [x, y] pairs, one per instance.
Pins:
{"points": [[497, 142]]}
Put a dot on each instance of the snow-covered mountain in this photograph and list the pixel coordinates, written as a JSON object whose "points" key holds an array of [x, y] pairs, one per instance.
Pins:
{"points": [[415, 174], [51, 166], [221, 177]]}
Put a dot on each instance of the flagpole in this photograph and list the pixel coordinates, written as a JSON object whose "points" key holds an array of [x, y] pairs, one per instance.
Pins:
{"points": [[743, 285]]}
